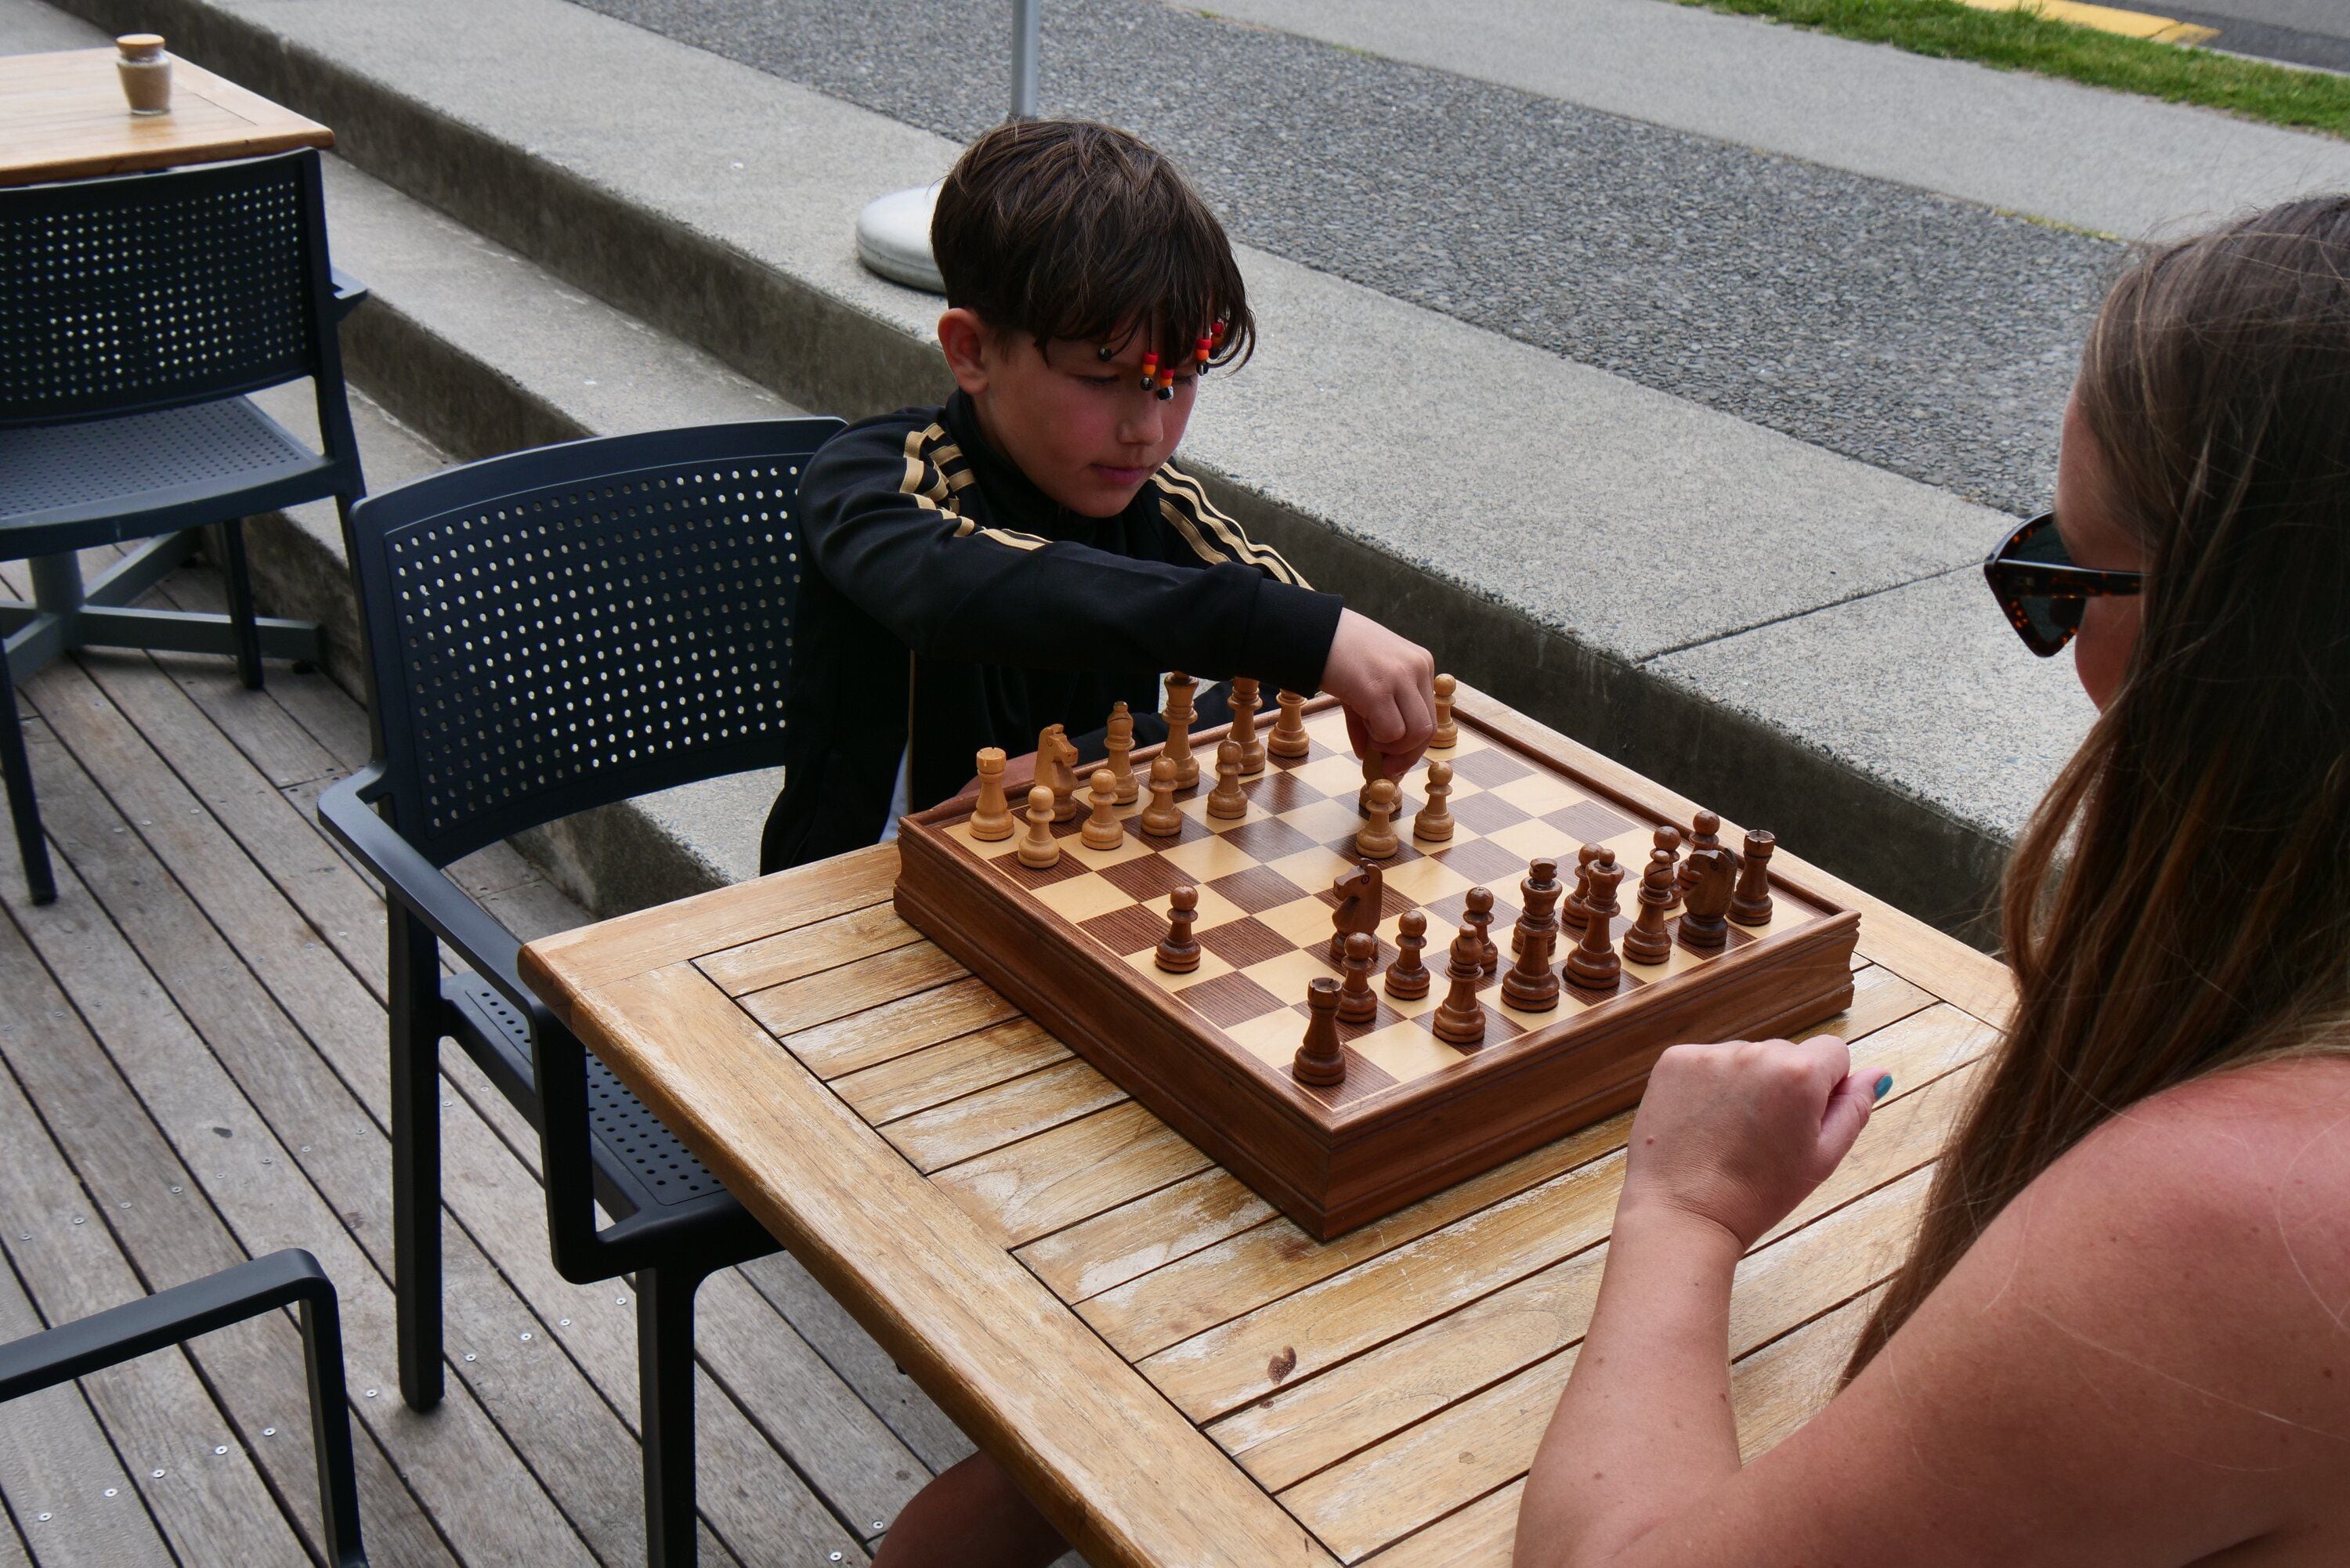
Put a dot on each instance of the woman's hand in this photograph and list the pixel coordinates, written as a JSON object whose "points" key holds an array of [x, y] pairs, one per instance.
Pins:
{"points": [[1739, 1134]]}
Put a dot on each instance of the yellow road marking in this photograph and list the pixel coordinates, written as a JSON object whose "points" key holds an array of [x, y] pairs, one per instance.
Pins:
{"points": [[2105, 19]]}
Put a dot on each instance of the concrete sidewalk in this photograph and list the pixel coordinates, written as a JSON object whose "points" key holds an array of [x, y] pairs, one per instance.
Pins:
{"points": [[1713, 602], [2108, 162]]}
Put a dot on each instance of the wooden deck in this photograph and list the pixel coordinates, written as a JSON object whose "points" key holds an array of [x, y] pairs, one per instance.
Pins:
{"points": [[193, 1044]]}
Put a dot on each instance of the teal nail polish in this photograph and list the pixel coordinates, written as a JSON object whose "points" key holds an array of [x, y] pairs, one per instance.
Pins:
{"points": [[1884, 1087]]}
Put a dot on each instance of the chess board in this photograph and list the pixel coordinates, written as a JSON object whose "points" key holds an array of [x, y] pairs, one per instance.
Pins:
{"points": [[1210, 1051]]}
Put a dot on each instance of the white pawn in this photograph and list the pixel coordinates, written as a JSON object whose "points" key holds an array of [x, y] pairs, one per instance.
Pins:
{"points": [[1160, 818], [1040, 849], [1102, 830], [1434, 821]]}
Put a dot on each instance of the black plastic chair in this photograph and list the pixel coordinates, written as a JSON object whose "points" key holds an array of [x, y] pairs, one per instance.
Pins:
{"points": [[135, 315], [290, 1278], [547, 632]]}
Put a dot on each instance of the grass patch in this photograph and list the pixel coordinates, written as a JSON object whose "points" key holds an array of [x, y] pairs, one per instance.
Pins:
{"points": [[2025, 41]]}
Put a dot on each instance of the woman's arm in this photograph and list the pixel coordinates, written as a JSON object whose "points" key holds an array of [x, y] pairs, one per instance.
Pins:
{"points": [[2143, 1361], [1728, 1140]]}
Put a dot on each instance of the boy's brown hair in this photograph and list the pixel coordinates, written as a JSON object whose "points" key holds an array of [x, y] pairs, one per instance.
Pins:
{"points": [[1064, 228]]}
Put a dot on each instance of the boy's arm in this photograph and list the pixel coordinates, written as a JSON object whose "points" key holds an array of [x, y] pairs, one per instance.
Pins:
{"points": [[882, 527]]}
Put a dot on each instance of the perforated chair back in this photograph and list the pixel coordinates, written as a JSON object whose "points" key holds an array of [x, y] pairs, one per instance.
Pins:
{"points": [[568, 627], [155, 291]]}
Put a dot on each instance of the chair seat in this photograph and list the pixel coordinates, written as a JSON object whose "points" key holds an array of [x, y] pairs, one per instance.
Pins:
{"points": [[140, 474], [639, 1163]]}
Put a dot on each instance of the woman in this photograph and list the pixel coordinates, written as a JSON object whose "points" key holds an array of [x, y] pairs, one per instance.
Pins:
{"points": [[2123, 1336]]}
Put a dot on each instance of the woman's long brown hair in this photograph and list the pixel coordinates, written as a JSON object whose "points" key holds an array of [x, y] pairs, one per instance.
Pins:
{"points": [[2180, 900]]}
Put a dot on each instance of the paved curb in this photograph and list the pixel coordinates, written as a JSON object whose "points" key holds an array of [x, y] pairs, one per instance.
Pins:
{"points": [[830, 351]]}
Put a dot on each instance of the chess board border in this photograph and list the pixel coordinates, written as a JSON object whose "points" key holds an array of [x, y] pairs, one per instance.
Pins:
{"points": [[1333, 1167]]}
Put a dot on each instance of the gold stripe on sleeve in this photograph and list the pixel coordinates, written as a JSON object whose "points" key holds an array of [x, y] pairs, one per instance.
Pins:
{"points": [[1175, 484]]}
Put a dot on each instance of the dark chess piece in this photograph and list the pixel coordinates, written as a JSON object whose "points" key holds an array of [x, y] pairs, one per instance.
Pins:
{"points": [[1668, 839], [1592, 964], [1320, 1059], [1360, 893], [1358, 1004], [1477, 919], [1179, 950], [1461, 1018], [1751, 904], [1705, 833], [1530, 985], [1648, 941], [1573, 913], [1407, 976], [1706, 899]]}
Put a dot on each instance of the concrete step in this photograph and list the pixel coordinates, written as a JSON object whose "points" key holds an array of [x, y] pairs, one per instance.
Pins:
{"points": [[1709, 601]]}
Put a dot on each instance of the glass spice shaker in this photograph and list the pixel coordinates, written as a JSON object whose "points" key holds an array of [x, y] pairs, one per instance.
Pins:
{"points": [[145, 70]]}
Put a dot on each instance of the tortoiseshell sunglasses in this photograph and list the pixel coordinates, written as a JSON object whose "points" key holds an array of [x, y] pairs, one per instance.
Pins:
{"points": [[2039, 588]]}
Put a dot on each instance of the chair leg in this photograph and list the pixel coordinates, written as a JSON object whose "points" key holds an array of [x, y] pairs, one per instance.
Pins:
{"points": [[330, 1430], [665, 1412], [16, 770], [240, 605], [415, 995]]}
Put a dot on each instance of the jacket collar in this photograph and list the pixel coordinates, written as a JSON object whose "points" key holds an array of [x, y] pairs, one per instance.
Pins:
{"points": [[1012, 494]]}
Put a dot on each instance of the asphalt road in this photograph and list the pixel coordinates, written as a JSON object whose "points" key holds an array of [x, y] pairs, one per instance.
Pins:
{"points": [[2294, 32], [1928, 336]]}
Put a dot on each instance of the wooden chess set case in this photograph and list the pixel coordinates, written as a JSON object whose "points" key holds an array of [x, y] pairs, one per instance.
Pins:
{"points": [[1335, 1158]]}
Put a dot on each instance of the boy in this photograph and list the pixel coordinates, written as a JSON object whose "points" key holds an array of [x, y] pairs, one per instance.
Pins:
{"points": [[1025, 555]]}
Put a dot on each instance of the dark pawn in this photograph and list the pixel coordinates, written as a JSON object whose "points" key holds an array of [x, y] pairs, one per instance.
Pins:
{"points": [[1477, 920], [1706, 899], [1179, 951], [1593, 965], [1577, 910], [1750, 905], [1407, 976], [1358, 1004], [1648, 941], [1459, 1018], [1319, 1059], [1530, 985]]}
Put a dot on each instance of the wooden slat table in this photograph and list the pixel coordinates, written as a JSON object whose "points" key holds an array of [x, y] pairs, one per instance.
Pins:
{"points": [[62, 117], [1177, 1373]]}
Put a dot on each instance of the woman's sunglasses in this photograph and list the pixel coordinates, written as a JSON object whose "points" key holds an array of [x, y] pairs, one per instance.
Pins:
{"points": [[2039, 588]]}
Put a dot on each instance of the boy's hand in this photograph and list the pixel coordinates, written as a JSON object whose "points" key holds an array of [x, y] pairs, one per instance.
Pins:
{"points": [[1388, 685]]}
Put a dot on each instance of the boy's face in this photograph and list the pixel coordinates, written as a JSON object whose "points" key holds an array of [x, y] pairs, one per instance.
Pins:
{"points": [[1080, 426]]}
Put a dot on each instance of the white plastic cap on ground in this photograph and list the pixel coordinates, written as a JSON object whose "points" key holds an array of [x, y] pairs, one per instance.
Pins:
{"points": [[893, 238]]}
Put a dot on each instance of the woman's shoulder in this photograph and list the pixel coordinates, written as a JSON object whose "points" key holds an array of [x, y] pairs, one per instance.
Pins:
{"points": [[2220, 1205]]}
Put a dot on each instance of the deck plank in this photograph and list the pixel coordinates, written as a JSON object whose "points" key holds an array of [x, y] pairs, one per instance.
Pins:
{"points": [[189, 1464], [773, 1409], [57, 1462], [171, 1230], [820, 1424], [458, 1457], [593, 1468]]}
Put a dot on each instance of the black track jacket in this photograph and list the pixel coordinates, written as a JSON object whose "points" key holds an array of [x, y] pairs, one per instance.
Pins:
{"points": [[942, 594]]}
